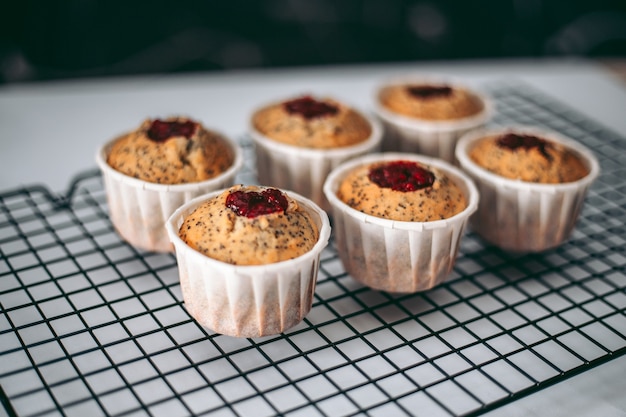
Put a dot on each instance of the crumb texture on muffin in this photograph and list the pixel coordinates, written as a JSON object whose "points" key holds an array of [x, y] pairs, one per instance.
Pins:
{"points": [[217, 231], [438, 200], [172, 151], [312, 123], [528, 158], [430, 101]]}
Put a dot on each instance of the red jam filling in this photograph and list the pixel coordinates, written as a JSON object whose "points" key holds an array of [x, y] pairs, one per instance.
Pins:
{"points": [[515, 141], [251, 204], [160, 131], [309, 108], [402, 176], [429, 91]]}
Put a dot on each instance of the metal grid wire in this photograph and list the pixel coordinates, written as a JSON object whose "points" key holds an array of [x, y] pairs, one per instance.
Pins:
{"points": [[92, 326]]}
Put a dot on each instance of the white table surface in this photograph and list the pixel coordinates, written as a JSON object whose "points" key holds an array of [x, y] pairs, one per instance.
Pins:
{"points": [[50, 131]]}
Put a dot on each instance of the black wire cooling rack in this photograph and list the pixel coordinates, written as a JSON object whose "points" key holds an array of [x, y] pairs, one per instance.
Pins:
{"points": [[92, 326]]}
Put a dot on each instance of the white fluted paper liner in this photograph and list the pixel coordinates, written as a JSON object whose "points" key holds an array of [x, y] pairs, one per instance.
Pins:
{"points": [[247, 301], [523, 216], [397, 256], [139, 209], [304, 170], [436, 138]]}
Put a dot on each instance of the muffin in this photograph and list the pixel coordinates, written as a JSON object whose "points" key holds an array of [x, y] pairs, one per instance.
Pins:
{"points": [[299, 140], [532, 184], [399, 218], [152, 170], [248, 258], [428, 116]]}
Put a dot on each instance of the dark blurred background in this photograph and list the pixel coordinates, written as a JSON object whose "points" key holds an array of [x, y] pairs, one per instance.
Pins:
{"points": [[57, 39]]}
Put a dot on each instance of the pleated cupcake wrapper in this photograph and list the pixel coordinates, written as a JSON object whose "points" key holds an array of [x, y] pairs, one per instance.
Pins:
{"points": [[304, 170], [435, 138], [247, 301], [411, 139], [395, 256], [139, 209], [522, 216]]}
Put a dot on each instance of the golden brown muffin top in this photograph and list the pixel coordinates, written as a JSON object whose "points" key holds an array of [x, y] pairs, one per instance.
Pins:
{"points": [[171, 151], [430, 101], [309, 122], [402, 191], [528, 158], [250, 225]]}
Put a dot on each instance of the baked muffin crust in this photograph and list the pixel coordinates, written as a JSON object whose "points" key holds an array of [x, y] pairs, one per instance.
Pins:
{"points": [[174, 151], [528, 158], [439, 200], [312, 123], [217, 231], [430, 101]]}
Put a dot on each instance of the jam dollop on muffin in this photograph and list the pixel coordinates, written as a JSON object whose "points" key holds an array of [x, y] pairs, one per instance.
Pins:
{"points": [[250, 225], [176, 150], [528, 157], [430, 101], [311, 122], [402, 190]]}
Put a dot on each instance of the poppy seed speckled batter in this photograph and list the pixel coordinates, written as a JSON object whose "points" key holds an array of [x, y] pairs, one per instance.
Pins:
{"points": [[430, 102], [537, 160], [438, 201], [312, 123], [217, 231], [171, 152]]}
